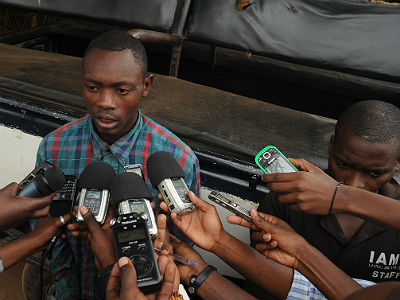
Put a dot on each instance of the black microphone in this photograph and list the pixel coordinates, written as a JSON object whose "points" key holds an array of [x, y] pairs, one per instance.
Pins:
{"points": [[130, 194], [94, 185], [43, 183], [166, 174]]}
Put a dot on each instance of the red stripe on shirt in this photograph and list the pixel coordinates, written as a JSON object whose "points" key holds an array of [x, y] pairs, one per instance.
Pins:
{"points": [[55, 147], [198, 177], [147, 142], [89, 152], [165, 134], [62, 128]]}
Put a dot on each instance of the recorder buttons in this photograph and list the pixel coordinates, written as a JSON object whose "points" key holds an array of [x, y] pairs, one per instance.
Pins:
{"points": [[142, 264]]}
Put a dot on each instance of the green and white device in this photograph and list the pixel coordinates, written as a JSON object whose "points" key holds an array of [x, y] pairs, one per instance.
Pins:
{"points": [[271, 160]]}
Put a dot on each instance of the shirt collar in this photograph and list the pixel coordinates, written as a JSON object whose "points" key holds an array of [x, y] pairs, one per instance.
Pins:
{"points": [[120, 148]]}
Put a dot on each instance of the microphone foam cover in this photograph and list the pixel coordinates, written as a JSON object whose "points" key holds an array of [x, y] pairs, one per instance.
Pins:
{"points": [[53, 181], [96, 175], [162, 165], [129, 186]]}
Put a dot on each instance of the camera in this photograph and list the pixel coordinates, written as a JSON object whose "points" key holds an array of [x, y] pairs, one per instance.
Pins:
{"points": [[132, 239], [271, 160]]}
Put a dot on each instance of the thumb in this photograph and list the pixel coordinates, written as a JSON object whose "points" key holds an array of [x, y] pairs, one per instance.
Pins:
{"points": [[89, 219], [198, 202], [12, 189], [129, 288], [261, 222]]}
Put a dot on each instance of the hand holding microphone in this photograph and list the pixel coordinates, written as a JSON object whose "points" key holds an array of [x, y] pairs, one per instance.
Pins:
{"points": [[32, 198], [166, 175]]}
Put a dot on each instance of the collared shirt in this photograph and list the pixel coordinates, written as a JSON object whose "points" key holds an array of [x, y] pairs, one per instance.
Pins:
{"points": [[373, 253], [71, 148], [303, 289]]}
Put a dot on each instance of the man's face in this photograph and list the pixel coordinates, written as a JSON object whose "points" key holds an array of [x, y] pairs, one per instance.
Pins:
{"points": [[112, 88], [360, 163]]}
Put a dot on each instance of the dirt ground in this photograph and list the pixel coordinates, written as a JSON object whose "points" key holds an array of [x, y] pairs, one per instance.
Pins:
{"points": [[10, 283]]}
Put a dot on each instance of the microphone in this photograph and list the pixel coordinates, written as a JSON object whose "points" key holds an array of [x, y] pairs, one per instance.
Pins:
{"points": [[42, 183], [166, 175], [130, 194], [135, 227], [94, 185]]}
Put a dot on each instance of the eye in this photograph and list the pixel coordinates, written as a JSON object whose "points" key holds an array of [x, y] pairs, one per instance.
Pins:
{"points": [[341, 164], [122, 91], [375, 173], [92, 88]]}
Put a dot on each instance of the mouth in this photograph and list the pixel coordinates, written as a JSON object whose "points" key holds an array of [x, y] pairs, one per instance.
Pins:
{"points": [[105, 122]]}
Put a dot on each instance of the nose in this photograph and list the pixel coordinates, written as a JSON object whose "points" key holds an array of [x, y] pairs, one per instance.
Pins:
{"points": [[356, 179], [106, 100]]}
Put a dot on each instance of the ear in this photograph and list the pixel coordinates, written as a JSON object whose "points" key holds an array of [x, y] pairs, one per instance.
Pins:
{"points": [[331, 143], [148, 82]]}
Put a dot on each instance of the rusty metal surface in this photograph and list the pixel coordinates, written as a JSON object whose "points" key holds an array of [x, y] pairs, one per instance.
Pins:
{"points": [[206, 115]]}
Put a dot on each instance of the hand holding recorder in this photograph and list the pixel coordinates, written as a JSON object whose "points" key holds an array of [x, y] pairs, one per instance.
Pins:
{"points": [[203, 225], [123, 281], [309, 191]]}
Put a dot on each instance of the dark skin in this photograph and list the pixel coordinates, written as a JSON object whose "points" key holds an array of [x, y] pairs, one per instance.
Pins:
{"points": [[18, 209], [363, 167], [361, 164], [113, 84]]}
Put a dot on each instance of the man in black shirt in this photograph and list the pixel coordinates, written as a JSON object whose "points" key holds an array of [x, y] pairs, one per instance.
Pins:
{"points": [[346, 215]]}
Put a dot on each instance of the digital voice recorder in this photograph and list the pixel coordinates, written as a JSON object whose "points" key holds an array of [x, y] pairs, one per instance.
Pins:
{"points": [[132, 239], [166, 175], [230, 205], [94, 185], [130, 194]]}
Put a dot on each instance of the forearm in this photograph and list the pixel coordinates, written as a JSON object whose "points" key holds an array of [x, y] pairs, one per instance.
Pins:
{"points": [[17, 250], [372, 207], [326, 277], [268, 274], [217, 286]]}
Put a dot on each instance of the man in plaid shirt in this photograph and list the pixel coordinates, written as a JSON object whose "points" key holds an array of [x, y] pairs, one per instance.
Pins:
{"points": [[114, 80]]}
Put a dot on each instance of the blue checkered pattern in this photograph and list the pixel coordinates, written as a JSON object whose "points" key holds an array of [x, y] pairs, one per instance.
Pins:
{"points": [[71, 148]]}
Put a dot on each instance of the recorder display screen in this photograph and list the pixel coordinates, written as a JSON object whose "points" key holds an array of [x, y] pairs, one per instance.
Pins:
{"points": [[131, 235]]}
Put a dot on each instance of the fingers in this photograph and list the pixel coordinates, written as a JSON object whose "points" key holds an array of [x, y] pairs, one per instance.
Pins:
{"points": [[67, 218], [280, 177], [242, 222], [114, 283], [38, 203], [11, 189], [129, 288], [262, 223], [164, 207], [90, 221], [168, 282], [199, 203], [302, 164]]}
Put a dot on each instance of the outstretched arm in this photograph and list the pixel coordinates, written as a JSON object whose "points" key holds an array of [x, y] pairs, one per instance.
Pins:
{"points": [[311, 191], [16, 209], [17, 250], [278, 241], [203, 226], [215, 286]]}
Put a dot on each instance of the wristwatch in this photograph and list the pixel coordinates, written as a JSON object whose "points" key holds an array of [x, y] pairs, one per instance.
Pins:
{"points": [[197, 280]]}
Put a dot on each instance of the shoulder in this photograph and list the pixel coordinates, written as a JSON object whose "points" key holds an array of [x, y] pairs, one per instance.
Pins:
{"points": [[72, 128], [162, 139]]}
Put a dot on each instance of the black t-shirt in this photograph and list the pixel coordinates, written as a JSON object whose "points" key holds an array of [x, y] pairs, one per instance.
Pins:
{"points": [[373, 253]]}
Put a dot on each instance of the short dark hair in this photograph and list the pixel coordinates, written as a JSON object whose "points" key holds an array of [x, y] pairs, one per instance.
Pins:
{"points": [[118, 40], [372, 120]]}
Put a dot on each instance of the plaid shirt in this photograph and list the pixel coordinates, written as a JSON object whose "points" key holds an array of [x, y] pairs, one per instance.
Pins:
{"points": [[303, 289], [71, 148]]}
